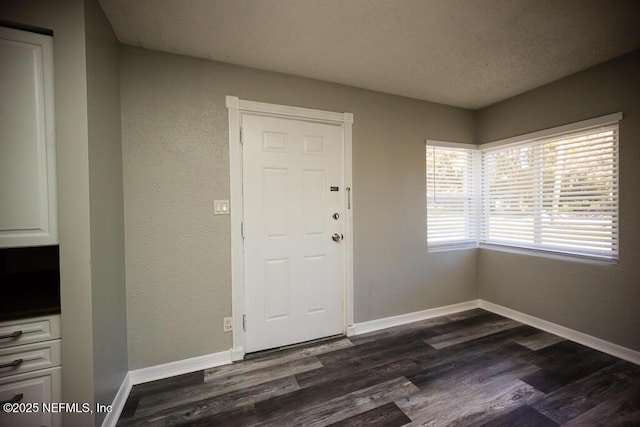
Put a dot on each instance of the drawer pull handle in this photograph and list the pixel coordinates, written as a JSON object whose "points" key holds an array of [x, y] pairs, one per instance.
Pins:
{"points": [[13, 364], [17, 398], [12, 335]]}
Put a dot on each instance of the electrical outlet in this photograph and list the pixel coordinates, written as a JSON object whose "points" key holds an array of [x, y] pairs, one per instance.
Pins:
{"points": [[227, 325]]}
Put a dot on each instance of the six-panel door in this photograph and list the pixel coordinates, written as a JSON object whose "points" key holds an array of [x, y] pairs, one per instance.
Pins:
{"points": [[294, 269]]}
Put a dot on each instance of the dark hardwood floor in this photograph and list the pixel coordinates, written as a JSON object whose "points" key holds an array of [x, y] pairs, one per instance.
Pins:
{"points": [[471, 368]]}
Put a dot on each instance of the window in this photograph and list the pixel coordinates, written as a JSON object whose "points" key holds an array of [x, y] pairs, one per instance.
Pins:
{"points": [[555, 190], [557, 193], [451, 194]]}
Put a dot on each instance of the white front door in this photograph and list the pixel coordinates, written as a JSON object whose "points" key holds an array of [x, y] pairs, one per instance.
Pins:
{"points": [[293, 188]]}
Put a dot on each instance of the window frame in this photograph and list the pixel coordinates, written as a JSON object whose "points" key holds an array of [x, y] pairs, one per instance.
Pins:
{"points": [[538, 139], [472, 240], [524, 140]]}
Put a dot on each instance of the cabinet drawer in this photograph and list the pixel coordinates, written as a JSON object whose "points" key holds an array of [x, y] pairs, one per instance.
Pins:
{"points": [[29, 357], [30, 390], [25, 331]]}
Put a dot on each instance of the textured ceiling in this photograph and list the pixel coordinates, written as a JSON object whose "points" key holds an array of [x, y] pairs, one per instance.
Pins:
{"points": [[467, 53]]}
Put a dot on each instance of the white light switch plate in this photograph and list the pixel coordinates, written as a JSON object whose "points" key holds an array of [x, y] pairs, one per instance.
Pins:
{"points": [[221, 207]]}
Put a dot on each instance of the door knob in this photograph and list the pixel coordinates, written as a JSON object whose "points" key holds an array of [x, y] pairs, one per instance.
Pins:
{"points": [[337, 237]]}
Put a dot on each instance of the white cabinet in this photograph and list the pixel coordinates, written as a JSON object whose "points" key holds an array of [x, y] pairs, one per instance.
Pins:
{"points": [[30, 372], [28, 208]]}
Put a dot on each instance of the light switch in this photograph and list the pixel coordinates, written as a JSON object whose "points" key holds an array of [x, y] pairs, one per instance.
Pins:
{"points": [[221, 207]]}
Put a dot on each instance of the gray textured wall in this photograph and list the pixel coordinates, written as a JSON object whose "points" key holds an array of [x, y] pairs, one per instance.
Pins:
{"points": [[175, 149], [108, 288], [602, 301]]}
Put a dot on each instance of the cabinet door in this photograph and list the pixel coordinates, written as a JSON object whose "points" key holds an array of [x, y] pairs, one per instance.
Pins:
{"points": [[27, 140], [32, 399]]}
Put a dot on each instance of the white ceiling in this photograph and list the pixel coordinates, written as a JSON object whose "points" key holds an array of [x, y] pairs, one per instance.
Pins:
{"points": [[467, 53]]}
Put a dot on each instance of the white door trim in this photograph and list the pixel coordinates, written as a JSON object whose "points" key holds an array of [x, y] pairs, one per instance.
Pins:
{"points": [[236, 107]]}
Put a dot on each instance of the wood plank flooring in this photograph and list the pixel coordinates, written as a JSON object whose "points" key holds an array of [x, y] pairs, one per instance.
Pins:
{"points": [[471, 368]]}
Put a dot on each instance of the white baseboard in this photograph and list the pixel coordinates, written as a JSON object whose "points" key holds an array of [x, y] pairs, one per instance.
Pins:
{"points": [[564, 332], [180, 367], [544, 325], [159, 372], [118, 402], [402, 319], [237, 353]]}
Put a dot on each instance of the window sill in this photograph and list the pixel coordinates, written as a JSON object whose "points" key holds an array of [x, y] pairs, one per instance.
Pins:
{"points": [[452, 247], [551, 255]]}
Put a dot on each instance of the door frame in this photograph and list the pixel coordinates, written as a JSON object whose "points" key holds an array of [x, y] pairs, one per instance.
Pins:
{"points": [[237, 107]]}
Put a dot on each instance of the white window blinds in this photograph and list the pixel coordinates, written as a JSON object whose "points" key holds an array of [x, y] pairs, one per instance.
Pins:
{"points": [[556, 193], [451, 194]]}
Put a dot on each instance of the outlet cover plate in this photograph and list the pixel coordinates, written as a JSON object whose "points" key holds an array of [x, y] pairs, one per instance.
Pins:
{"points": [[227, 325]]}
